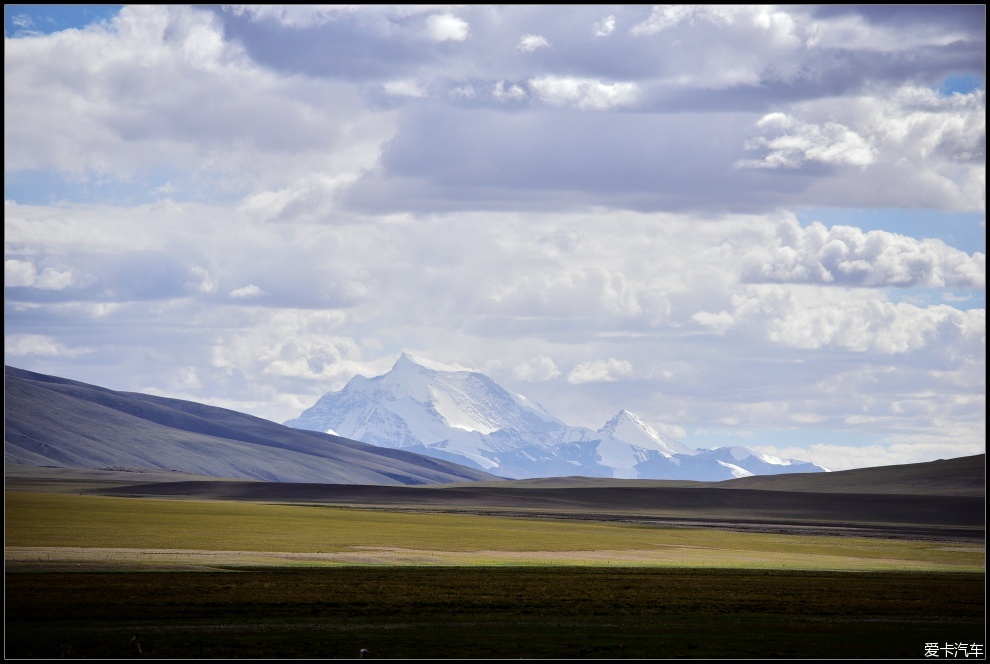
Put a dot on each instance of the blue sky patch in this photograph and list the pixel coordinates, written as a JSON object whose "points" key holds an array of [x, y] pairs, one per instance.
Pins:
{"points": [[29, 20]]}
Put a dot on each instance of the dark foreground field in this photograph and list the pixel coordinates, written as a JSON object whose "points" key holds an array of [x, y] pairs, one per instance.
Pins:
{"points": [[709, 581], [457, 612]]}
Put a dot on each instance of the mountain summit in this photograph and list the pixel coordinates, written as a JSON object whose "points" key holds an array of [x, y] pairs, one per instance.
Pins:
{"points": [[459, 415]]}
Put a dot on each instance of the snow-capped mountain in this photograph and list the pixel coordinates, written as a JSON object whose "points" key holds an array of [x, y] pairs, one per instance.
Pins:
{"points": [[56, 422], [466, 417]]}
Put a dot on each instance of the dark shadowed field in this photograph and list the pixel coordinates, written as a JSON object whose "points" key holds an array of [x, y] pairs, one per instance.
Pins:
{"points": [[742, 509], [454, 612], [545, 610], [943, 499]]}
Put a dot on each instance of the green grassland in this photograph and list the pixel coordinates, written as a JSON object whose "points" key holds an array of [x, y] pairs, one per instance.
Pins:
{"points": [[225, 579], [347, 535]]}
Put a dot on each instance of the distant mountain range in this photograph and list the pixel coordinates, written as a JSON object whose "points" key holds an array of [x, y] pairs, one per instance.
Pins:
{"points": [[466, 417], [51, 421]]}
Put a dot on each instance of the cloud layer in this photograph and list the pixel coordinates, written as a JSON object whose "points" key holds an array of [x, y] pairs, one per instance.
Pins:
{"points": [[602, 208]]}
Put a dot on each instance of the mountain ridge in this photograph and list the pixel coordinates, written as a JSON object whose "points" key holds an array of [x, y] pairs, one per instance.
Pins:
{"points": [[55, 421], [464, 416]]}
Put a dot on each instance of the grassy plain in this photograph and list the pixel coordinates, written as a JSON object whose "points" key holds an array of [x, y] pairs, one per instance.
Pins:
{"points": [[234, 579], [64, 526]]}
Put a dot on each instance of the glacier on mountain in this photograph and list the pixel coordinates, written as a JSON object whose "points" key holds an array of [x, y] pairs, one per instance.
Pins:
{"points": [[464, 416]]}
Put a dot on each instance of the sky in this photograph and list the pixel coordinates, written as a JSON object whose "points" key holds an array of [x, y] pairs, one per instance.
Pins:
{"points": [[749, 225]]}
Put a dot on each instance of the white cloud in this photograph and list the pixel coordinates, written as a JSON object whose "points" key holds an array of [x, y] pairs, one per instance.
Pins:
{"points": [[380, 19], [913, 148], [22, 20], [204, 282], [296, 16], [292, 344], [530, 43], [447, 27], [771, 23], [537, 369], [18, 273], [918, 125], [717, 322], [664, 17], [590, 292], [605, 27], [207, 111], [405, 88], [846, 457], [247, 292], [847, 255], [24, 273], [199, 153], [584, 93], [855, 32], [511, 93], [862, 321], [39, 345], [790, 144], [600, 371], [463, 92]]}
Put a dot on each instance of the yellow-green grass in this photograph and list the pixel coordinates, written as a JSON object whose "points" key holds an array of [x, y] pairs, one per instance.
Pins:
{"points": [[69, 525]]}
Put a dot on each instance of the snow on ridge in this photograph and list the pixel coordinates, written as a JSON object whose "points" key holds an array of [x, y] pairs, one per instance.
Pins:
{"points": [[776, 461], [454, 412], [736, 470], [741, 453], [630, 428], [619, 456], [534, 408], [431, 365]]}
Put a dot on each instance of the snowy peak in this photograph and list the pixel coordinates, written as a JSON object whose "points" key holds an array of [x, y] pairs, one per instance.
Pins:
{"points": [[460, 415], [423, 402], [464, 399], [408, 362], [629, 428]]}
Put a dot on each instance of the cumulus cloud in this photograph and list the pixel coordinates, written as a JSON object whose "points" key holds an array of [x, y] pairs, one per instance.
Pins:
{"points": [[590, 292], [537, 369], [296, 16], [600, 371], [463, 92], [919, 124], [293, 344], [447, 27], [205, 108], [813, 318], [791, 144], [25, 274], [402, 177], [778, 23], [511, 92], [246, 292], [605, 27], [664, 17], [405, 88], [39, 345], [530, 43], [204, 282], [846, 255], [583, 93]]}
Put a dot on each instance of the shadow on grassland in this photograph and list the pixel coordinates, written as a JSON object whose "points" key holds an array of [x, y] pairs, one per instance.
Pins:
{"points": [[940, 499], [538, 612]]}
